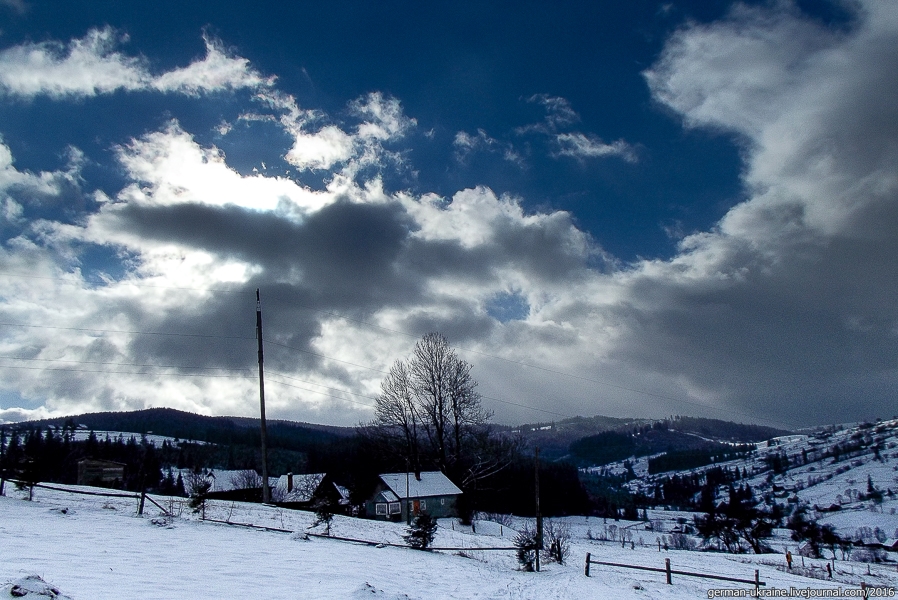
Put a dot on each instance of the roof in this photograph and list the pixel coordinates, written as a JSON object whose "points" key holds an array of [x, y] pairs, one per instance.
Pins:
{"points": [[101, 461], [222, 480], [344, 493], [432, 483], [304, 486], [388, 496]]}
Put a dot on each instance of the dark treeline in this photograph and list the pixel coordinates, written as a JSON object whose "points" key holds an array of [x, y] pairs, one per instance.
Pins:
{"points": [[51, 455], [33, 455], [46, 451], [684, 449], [512, 490], [683, 460], [232, 431], [693, 491]]}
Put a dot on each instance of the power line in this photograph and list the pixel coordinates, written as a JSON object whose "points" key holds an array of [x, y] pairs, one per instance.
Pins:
{"points": [[163, 333], [107, 372], [323, 393], [130, 283], [327, 357], [121, 364], [322, 385], [67, 370], [542, 410], [211, 336], [397, 332], [544, 369]]}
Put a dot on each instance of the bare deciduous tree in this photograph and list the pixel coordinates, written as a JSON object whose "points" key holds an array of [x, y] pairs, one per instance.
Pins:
{"points": [[397, 411], [430, 411], [247, 479], [557, 536]]}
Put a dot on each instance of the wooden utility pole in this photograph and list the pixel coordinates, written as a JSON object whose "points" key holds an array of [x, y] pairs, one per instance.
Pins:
{"points": [[266, 493], [539, 516], [408, 501]]}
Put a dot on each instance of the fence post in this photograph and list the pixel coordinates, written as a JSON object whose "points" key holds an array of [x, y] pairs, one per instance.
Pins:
{"points": [[143, 496], [864, 589], [667, 569], [757, 580], [2, 485], [587, 564]]}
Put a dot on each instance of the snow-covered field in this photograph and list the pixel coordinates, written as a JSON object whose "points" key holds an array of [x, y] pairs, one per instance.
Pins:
{"points": [[97, 548]]}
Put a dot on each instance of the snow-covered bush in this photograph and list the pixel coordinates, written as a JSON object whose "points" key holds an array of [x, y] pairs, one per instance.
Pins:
{"points": [[557, 540], [501, 519], [681, 541], [869, 555]]}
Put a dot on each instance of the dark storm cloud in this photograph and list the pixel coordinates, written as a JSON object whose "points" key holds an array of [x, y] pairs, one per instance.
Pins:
{"points": [[345, 250]]}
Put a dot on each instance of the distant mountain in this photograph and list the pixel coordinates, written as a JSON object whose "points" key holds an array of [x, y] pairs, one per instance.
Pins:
{"points": [[601, 440], [586, 441], [554, 438], [217, 430]]}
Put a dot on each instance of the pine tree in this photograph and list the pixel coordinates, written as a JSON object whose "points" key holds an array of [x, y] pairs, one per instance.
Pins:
{"points": [[527, 544], [324, 514], [421, 532]]}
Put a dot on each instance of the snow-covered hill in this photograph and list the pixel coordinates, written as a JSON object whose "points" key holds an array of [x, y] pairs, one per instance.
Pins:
{"points": [[846, 476]]}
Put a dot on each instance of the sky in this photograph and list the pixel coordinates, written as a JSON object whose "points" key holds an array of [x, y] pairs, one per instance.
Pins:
{"points": [[633, 209]]}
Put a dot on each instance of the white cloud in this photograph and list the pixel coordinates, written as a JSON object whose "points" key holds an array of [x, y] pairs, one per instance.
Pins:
{"points": [[466, 144], [86, 67], [559, 111], [91, 66], [581, 146], [216, 72], [43, 183], [559, 116], [321, 150], [173, 169], [385, 119]]}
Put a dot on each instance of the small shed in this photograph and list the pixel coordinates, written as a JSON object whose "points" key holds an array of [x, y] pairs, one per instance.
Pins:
{"points": [[103, 473], [399, 495]]}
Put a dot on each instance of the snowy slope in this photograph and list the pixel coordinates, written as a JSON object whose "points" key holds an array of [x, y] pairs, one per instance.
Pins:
{"points": [[813, 476], [92, 548]]}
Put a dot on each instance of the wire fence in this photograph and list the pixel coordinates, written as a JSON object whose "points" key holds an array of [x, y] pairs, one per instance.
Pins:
{"points": [[670, 572]]}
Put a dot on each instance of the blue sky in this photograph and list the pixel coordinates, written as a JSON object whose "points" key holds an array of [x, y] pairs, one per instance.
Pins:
{"points": [[633, 209]]}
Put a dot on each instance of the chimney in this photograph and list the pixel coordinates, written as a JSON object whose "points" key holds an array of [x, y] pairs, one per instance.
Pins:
{"points": [[289, 482]]}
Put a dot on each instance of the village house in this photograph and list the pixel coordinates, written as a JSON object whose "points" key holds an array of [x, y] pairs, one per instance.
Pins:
{"points": [[400, 496], [302, 490], [241, 485], [103, 473]]}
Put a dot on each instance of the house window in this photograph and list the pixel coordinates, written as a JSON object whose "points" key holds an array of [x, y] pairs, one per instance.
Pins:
{"points": [[395, 508], [381, 508], [423, 505]]}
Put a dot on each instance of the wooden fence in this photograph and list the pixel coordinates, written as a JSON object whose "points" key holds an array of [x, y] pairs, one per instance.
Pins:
{"points": [[142, 497], [669, 572], [354, 540]]}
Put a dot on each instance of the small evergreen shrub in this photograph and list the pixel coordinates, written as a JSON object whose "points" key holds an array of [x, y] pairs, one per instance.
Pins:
{"points": [[527, 544], [324, 514], [421, 532]]}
